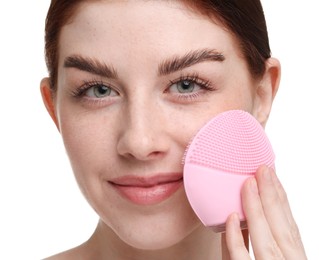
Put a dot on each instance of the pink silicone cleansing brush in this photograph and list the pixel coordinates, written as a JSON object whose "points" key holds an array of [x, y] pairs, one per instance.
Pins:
{"points": [[221, 156]]}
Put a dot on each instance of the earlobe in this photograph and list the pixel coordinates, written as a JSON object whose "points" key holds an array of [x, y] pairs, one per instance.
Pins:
{"points": [[48, 100], [267, 90]]}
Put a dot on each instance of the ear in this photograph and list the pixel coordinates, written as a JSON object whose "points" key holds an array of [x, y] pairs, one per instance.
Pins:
{"points": [[267, 90], [48, 99]]}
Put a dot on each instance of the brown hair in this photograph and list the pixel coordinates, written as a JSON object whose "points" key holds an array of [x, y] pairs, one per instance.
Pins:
{"points": [[244, 18]]}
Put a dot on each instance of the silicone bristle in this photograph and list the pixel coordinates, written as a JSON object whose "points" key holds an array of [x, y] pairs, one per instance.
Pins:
{"points": [[232, 142]]}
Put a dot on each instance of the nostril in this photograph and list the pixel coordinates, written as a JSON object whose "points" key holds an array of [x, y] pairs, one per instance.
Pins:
{"points": [[143, 156], [142, 141], [141, 149], [155, 155]]}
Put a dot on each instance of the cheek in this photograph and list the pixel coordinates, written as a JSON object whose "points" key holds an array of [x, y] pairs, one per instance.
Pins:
{"points": [[86, 138], [191, 120], [242, 100], [88, 144], [239, 96]]}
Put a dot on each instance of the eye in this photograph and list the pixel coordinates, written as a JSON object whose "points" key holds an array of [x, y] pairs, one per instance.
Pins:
{"points": [[185, 86], [99, 90], [189, 85], [94, 90], [189, 88]]}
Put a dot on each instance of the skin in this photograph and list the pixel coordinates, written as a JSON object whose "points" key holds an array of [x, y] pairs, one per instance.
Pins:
{"points": [[143, 127]]}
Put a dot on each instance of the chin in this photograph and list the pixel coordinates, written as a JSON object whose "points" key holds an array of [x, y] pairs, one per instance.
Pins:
{"points": [[153, 227], [156, 242], [157, 237]]}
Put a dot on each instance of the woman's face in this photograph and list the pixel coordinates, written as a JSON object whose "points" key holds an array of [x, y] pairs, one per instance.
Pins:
{"points": [[137, 79]]}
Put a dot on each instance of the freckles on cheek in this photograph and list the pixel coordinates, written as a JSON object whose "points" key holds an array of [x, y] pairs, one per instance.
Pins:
{"points": [[89, 139], [79, 136], [186, 124], [239, 98]]}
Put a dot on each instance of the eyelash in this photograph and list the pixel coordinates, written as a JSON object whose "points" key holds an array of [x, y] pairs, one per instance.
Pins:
{"points": [[79, 92], [204, 85]]}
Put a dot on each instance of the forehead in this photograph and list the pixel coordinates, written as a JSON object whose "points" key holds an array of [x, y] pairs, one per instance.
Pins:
{"points": [[117, 29]]}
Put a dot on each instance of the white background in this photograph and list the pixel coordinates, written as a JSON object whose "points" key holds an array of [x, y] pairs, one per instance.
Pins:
{"points": [[41, 209]]}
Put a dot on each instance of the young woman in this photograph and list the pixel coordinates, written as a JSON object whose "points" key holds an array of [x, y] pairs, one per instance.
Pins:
{"points": [[130, 82]]}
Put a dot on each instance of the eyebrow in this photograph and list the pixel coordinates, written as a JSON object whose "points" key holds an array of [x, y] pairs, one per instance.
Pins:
{"points": [[91, 66], [168, 66], [191, 58]]}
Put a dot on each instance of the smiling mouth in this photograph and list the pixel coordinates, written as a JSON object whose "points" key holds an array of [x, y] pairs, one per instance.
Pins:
{"points": [[147, 191]]}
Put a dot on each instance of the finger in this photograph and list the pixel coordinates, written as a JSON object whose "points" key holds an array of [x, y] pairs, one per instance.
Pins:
{"points": [[283, 198], [278, 214], [285, 203], [262, 240], [234, 239]]}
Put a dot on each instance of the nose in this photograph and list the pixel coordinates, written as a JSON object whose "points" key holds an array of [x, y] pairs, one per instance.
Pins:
{"points": [[143, 135]]}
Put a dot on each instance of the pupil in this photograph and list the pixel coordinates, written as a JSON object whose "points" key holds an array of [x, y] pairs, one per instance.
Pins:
{"points": [[186, 86], [101, 91]]}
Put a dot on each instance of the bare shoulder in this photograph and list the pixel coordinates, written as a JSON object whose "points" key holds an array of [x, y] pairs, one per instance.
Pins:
{"points": [[86, 251], [74, 253]]}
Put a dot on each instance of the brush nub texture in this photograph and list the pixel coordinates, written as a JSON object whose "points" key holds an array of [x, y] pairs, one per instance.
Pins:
{"points": [[233, 142]]}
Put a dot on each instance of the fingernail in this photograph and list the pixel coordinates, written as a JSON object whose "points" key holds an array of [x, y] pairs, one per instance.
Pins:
{"points": [[253, 185]]}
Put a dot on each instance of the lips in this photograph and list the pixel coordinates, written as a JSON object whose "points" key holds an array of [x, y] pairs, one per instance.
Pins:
{"points": [[147, 190]]}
